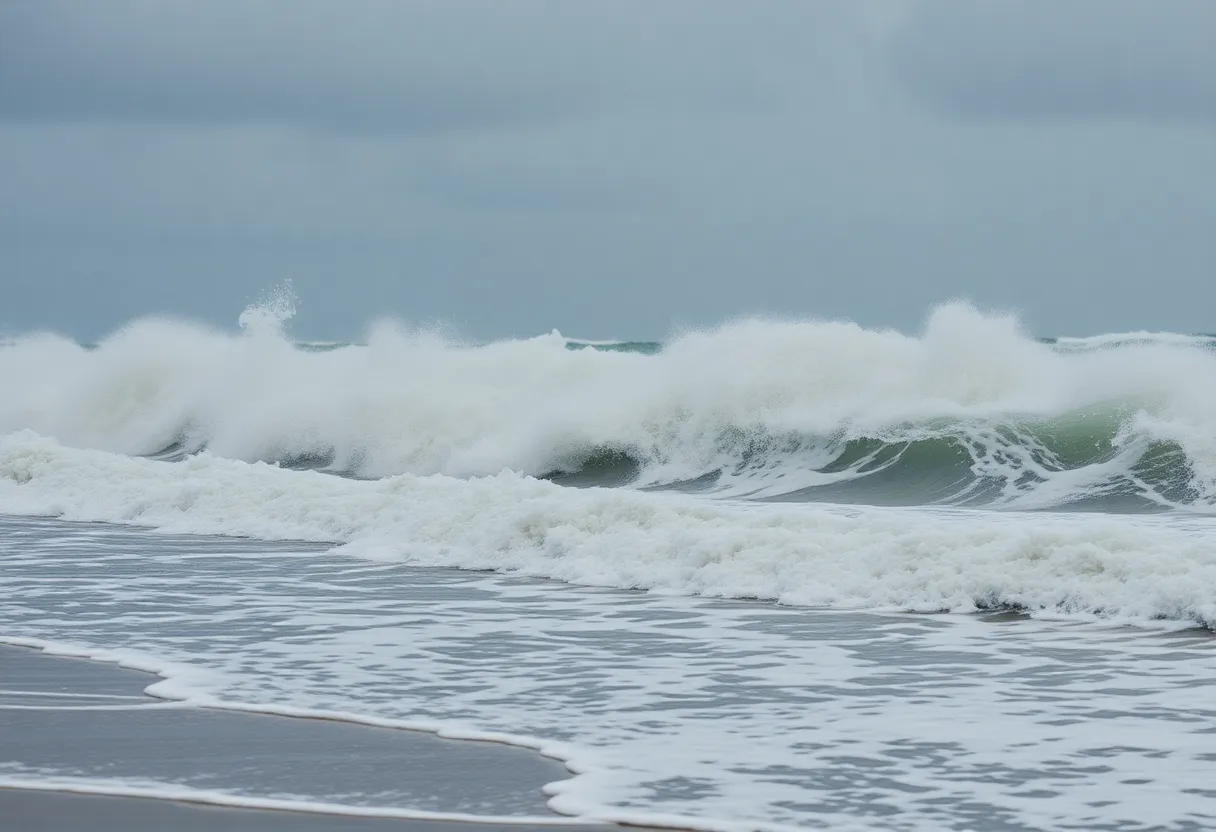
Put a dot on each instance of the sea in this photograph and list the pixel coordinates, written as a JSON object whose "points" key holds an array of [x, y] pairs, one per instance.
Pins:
{"points": [[771, 575]]}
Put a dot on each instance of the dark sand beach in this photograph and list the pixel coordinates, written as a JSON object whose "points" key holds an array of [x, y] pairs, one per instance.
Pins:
{"points": [[88, 719], [31, 811]]}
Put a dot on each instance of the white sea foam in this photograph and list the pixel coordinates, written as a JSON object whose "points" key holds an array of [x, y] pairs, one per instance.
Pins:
{"points": [[151, 789], [1120, 567], [700, 714], [731, 398], [440, 421], [588, 342]]}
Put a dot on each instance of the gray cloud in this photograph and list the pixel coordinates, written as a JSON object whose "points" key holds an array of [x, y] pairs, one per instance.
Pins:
{"points": [[608, 168], [380, 67], [372, 65], [1079, 59]]}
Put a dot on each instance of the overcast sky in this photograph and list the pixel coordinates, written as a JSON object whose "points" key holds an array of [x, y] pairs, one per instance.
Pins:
{"points": [[612, 169]]}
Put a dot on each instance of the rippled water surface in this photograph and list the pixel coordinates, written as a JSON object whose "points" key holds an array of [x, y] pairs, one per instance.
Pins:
{"points": [[668, 706]]}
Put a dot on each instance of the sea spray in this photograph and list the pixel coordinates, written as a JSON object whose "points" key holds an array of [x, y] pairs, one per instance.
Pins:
{"points": [[971, 411]]}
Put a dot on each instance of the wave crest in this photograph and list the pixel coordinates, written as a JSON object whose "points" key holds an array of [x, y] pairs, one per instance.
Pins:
{"points": [[971, 410]]}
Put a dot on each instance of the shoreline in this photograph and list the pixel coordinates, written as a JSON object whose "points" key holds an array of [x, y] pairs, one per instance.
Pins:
{"points": [[31, 810], [138, 761]]}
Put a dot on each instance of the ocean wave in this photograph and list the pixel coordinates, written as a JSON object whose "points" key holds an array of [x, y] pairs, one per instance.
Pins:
{"points": [[971, 411], [1121, 568], [1139, 338]]}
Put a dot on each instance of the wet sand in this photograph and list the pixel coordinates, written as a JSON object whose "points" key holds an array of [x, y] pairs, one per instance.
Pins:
{"points": [[88, 719], [30, 811]]}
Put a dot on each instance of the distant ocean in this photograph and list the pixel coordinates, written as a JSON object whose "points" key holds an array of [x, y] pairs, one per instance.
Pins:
{"points": [[698, 570]]}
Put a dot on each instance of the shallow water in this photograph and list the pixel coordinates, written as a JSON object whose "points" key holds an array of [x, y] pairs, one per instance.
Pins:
{"points": [[669, 706], [90, 722]]}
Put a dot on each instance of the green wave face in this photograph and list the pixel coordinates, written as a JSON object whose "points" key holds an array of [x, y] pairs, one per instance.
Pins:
{"points": [[638, 347], [1084, 461]]}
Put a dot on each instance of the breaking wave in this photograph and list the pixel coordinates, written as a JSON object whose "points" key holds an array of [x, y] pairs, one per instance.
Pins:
{"points": [[969, 412], [443, 450]]}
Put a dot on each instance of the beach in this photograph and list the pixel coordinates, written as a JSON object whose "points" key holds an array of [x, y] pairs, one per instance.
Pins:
{"points": [[61, 713], [31, 811], [957, 580], [474, 415], [653, 709]]}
